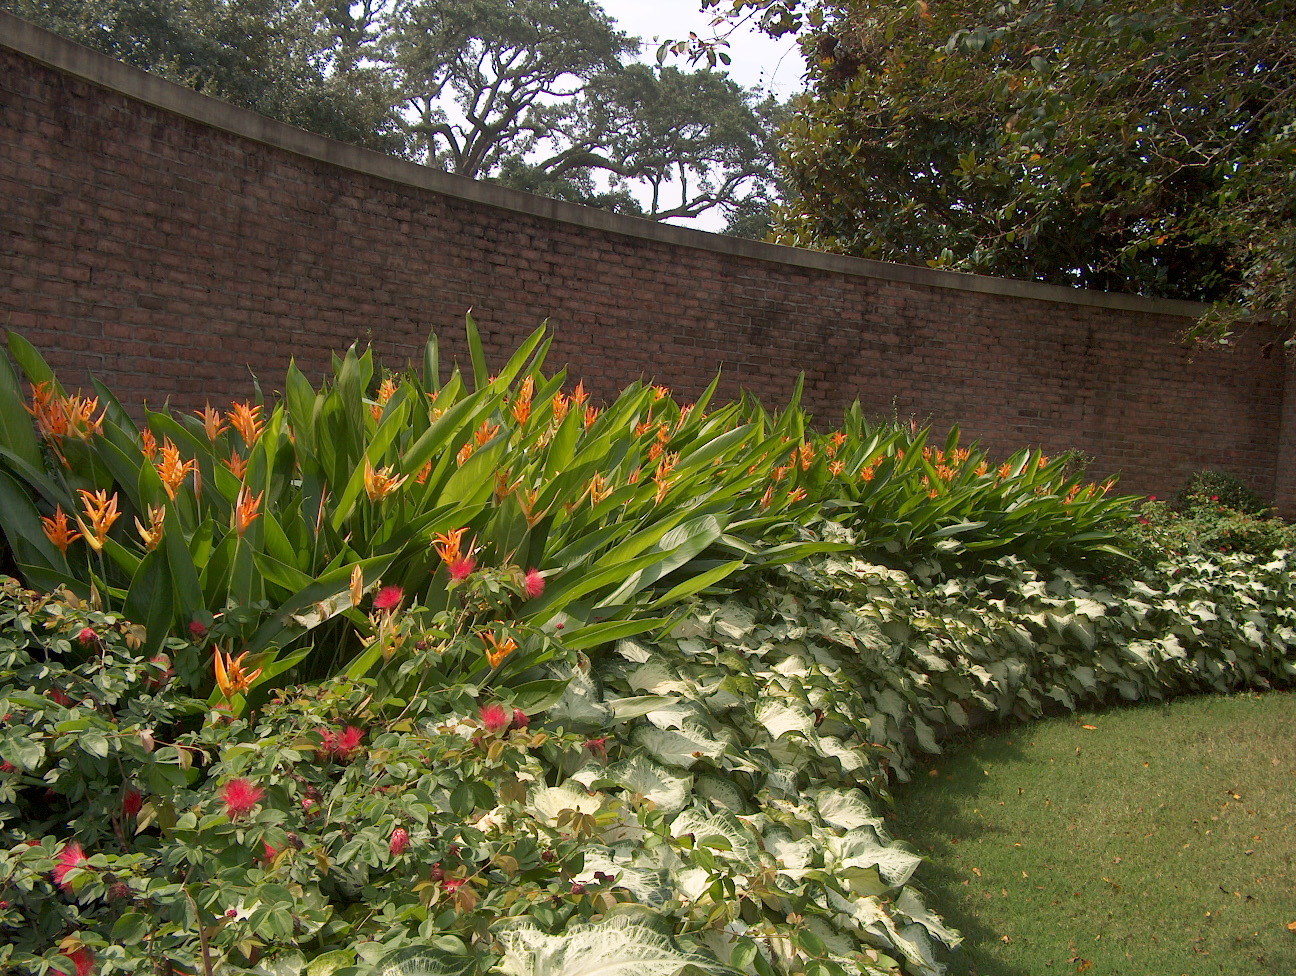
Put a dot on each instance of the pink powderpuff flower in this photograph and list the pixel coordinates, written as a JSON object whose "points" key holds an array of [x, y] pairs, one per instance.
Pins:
{"points": [[240, 796], [533, 585], [388, 598], [87, 636], [399, 841], [495, 718], [598, 746], [451, 885], [197, 629], [82, 958], [519, 719], [61, 697], [461, 568], [346, 743], [71, 857], [132, 801]]}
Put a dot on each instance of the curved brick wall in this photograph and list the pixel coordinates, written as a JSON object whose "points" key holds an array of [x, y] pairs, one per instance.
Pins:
{"points": [[170, 244]]}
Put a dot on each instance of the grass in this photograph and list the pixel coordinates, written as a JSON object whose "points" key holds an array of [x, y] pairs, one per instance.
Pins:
{"points": [[1142, 841]]}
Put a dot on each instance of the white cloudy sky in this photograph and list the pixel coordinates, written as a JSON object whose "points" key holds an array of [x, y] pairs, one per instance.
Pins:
{"points": [[758, 60]]}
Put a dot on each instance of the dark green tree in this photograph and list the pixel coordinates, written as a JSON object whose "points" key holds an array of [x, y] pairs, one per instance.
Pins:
{"points": [[1146, 146], [277, 57]]}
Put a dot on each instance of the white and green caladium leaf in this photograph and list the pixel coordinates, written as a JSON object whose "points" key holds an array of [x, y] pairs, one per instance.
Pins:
{"points": [[446, 956], [912, 905], [546, 802], [780, 716], [581, 705], [860, 853], [668, 791], [846, 809], [681, 747], [615, 946], [720, 831]]}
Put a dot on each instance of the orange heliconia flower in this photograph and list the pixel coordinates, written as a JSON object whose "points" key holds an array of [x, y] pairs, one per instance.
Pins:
{"points": [[1043, 462], [796, 495], [838, 439], [868, 471], [497, 648], [836, 467], [153, 534], [660, 392], [483, 434], [643, 428], [767, 498], [591, 415], [502, 486], [1005, 470], [448, 546], [779, 473], [148, 443], [59, 416], [425, 472], [684, 416], [58, 531], [945, 472], [527, 500], [231, 677], [807, 456], [213, 423], [102, 513], [560, 406], [633, 477], [246, 509], [663, 487], [599, 489], [237, 465], [381, 483], [247, 421], [464, 454], [171, 470], [579, 396], [522, 402], [981, 469]]}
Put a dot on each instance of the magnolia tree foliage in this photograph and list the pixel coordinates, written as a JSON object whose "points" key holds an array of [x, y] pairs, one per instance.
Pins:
{"points": [[1147, 148]]}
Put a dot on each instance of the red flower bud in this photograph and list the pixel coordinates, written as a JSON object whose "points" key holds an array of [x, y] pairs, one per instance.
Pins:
{"points": [[399, 840]]}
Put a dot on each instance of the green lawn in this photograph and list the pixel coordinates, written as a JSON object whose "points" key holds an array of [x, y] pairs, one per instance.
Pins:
{"points": [[1143, 841]]}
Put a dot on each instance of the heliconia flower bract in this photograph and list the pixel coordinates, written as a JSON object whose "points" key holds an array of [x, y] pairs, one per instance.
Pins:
{"points": [[240, 796]]}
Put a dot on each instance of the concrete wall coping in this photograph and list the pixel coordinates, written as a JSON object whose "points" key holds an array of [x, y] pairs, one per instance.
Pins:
{"points": [[81, 62]]}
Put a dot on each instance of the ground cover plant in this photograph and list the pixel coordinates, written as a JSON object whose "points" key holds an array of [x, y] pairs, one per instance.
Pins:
{"points": [[1147, 840], [404, 676]]}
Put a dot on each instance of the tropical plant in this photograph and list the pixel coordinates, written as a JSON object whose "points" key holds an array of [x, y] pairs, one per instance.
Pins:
{"points": [[265, 528]]}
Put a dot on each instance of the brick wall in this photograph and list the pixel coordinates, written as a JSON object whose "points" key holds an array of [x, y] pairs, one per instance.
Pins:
{"points": [[172, 246]]}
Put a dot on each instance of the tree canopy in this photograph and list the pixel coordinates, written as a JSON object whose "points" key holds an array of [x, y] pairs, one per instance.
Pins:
{"points": [[536, 94], [1145, 147]]}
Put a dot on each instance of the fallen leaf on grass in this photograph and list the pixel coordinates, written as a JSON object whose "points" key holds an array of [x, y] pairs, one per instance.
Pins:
{"points": [[1091, 728], [1291, 926]]}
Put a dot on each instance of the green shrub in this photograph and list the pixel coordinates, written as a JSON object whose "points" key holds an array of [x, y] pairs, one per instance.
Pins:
{"points": [[1214, 489]]}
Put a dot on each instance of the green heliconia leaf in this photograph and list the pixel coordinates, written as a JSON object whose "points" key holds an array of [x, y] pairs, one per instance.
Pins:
{"points": [[324, 599], [476, 353], [615, 946]]}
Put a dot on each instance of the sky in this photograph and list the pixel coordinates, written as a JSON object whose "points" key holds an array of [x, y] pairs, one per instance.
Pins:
{"points": [[758, 60]]}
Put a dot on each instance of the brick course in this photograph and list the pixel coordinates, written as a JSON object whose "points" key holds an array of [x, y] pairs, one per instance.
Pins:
{"points": [[172, 258]]}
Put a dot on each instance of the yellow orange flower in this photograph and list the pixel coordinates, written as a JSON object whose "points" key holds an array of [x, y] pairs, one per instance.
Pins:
{"points": [[425, 472], [246, 509], [153, 534], [247, 421], [598, 489], [483, 434], [796, 495], [448, 546], [171, 470], [464, 454], [1043, 461], [232, 678], [213, 423], [58, 531], [591, 415], [560, 406], [579, 396], [237, 465], [836, 467], [633, 478], [767, 498], [498, 649], [1005, 470], [981, 469], [807, 456], [684, 416], [521, 407], [838, 439], [660, 392], [381, 483], [47, 408], [527, 500], [148, 443], [102, 513], [779, 473], [868, 471], [643, 428], [357, 585], [503, 488]]}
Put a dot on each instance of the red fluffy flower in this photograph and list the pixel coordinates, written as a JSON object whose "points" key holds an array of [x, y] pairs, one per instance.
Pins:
{"points": [[495, 718], [82, 958], [534, 584], [519, 719], [461, 568], [88, 636], [399, 840], [132, 800], [388, 598], [197, 629], [72, 856], [240, 796]]}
